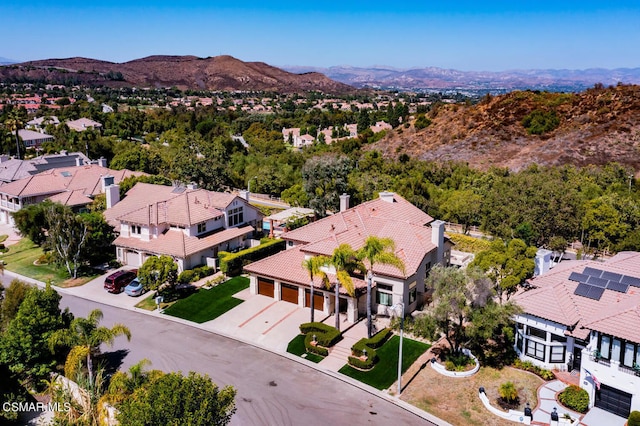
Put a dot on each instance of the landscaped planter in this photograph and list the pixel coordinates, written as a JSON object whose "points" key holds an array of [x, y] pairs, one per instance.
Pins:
{"points": [[442, 370]]}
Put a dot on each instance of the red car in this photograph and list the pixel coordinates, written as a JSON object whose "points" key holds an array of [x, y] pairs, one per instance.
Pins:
{"points": [[117, 281]]}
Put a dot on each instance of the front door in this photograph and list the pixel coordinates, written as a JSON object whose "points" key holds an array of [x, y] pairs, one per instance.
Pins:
{"points": [[577, 358]]}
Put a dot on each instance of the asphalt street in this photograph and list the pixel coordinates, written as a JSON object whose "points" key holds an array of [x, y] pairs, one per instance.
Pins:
{"points": [[271, 389]]}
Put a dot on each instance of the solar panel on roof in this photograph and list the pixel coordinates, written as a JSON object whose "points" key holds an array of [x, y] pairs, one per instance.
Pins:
{"points": [[595, 293], [598, 282], [582, 289], [592, 272], [616, 286], [632, 281], [578, 277], [611, 276]]}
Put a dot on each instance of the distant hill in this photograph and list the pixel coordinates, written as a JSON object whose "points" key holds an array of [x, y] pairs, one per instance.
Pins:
{"points": [[184, 72], [6, 61], [597, 126], [497, 82]]}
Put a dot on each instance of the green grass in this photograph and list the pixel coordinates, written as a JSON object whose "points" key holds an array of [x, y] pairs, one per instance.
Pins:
{"points": [[148, 303], [296, 347], [20, 259], [206, 305], [385, 372]]}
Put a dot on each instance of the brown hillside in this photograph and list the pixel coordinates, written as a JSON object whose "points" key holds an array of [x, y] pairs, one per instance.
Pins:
{"points": [[596, 126], [185, 72]]}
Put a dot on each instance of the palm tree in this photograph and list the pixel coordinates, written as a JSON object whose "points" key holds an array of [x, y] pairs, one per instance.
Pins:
{"points": [[344, 260], [377, 250], [313, 265], [14, 124], [85, 333]]}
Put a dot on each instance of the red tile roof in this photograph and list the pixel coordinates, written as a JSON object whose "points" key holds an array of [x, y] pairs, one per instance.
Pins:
{"points": [[615, 313]]}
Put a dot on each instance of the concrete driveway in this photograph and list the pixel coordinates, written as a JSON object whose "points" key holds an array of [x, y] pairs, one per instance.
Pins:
{"points": [[94, 290]]}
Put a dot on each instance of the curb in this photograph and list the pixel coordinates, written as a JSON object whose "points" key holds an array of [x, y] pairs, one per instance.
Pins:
{"points": [[369, 389]]}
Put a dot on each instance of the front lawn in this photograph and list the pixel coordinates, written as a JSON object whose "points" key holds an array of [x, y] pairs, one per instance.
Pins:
{"points": [[296, 347], [206, 305], [385, 372], [21, 258]]}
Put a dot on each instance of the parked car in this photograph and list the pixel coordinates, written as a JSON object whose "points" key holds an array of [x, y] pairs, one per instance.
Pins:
{"points": [[134, 288], [117, 281]]}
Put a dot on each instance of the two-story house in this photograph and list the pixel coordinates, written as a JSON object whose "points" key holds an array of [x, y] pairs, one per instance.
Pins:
{"points": [[420, 243], [72, 186], [189, 224], [585, 316]]}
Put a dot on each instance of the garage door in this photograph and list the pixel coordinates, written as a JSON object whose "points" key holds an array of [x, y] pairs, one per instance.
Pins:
{"points": [[318, 300], [133, 258], [265, 287], [289, 293], [614, 401]]}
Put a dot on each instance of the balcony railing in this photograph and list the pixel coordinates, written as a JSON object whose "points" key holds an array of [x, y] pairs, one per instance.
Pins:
{"points": [[597, 357]]}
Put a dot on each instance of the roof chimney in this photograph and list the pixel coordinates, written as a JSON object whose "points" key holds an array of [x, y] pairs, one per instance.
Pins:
{"points": [[102, 162], [387, 196], [245, 195], [192, 185], [106, 181], [78, 161], [113, 195], [344, 202], [437, 238], [4, 158]]}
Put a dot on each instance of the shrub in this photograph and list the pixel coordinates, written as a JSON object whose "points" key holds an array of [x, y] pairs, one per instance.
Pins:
{"points": [[574, 398], [529, 366], [634, 418], [369, 345], [539, 122], [231, 263], [326, 336], [508, 392], [186, 276]]}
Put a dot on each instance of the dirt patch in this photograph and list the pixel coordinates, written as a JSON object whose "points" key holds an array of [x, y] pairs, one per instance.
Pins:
{"points": [[74, 282], [456, 400]]}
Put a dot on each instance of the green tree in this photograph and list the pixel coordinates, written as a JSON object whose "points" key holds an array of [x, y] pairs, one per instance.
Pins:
{"points": [[174, 399], [457, 293], [314, 265], [14, 124], [325, 179], [295, 196], [507, 265], [463, 207], [158, 271], [11, 301], [490, 331], [67, 236], [100, 235], [377, 251], [87, 334], [31, 222], [25, 343]]}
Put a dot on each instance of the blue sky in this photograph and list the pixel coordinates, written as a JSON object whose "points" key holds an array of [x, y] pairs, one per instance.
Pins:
{"points": [[463, 35]]}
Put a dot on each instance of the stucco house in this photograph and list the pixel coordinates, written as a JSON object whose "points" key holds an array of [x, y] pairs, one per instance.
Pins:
{"points": [[13, 169], [585, 316], [420, 243], [189, 224], [72, 186]]}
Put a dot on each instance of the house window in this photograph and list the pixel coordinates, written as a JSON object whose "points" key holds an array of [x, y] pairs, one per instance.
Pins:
{"points": [[384, 295], [427, 269], [557, 354], [519, 340], [540, 334], [535, 349], [556, 338], [135, 229], [202, 227], [413, 292], [605, 346], [629, 354], [236, 216], [615, 350]]}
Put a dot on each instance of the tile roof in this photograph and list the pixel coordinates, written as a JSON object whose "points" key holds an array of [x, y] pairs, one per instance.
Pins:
{"points": [[176, 243], [615, 313], [148, 204], [86, 178], [71, 198], [399, 220], [294, 273]]}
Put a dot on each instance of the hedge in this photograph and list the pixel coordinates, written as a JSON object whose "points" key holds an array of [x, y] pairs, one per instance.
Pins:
{"points": [[370, 345], [634, 418], [191, 275], [529, 366], [231, 263], [326, 336]]}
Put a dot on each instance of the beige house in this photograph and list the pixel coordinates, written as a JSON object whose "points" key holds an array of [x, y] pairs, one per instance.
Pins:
{"points": [[420, 243], [189, 224], [83, 124]]}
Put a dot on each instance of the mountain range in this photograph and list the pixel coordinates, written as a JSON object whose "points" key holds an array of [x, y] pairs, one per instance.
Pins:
{"points": [[433, 78], [228, 73]]}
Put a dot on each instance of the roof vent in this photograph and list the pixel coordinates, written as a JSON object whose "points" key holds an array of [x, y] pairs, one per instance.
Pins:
{"points": [[387, 196]]}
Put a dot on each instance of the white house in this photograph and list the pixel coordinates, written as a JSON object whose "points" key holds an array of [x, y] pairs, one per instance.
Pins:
{"points": [[419, 240], [585, 315], [189, 224]]}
